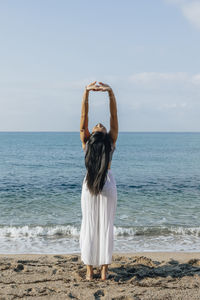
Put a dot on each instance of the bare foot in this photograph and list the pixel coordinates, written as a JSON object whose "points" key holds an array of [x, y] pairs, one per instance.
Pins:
{"points": [[104, 272], [89, 276]]}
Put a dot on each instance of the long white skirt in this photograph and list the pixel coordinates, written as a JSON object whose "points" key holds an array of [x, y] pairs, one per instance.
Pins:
{"points": [[97, 227]]}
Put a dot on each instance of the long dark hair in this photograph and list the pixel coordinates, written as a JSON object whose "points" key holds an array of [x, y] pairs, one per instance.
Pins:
{"points": [[97, 160]]}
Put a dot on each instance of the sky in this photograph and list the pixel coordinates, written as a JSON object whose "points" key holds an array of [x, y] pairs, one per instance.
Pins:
{"points": [[147, 51]]}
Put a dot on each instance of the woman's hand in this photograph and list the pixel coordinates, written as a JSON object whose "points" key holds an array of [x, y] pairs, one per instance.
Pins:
{"points": [[104, 87], [93, 87]]}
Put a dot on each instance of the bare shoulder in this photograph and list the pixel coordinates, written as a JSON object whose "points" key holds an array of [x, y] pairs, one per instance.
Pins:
{"points": [[113, 136], [83, 145], [84, 135]]}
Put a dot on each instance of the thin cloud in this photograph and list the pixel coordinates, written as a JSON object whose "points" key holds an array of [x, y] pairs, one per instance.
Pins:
{"points": [[165, 92], [176, 1], [190, 10], [151, 79]]}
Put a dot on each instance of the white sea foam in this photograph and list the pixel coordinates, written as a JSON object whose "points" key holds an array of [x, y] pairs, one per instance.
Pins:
{"points": [[33, 231], [65, 239], [156, 231], [60, 231]]}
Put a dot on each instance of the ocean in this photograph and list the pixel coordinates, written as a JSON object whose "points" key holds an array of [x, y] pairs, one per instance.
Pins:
{"points": [[158, 186]]}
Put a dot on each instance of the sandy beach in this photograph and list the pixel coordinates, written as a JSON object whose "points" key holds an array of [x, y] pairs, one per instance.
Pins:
{"points": [[146, 275]]}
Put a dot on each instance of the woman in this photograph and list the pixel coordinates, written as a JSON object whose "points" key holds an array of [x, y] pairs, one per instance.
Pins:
{"points": [[99, 193]]}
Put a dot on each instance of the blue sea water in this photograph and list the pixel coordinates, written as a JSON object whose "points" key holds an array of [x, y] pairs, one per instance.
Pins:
{"points": [[158, 185]]}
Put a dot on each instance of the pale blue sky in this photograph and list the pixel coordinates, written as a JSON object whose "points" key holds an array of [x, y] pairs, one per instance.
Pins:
{"points": [[148, 51]]}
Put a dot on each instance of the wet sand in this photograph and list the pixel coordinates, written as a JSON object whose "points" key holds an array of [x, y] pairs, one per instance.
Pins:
{"points": [[146, 275]]}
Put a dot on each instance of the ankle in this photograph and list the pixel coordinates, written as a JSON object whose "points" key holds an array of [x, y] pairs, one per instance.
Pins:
{"points": [[89, 271]]}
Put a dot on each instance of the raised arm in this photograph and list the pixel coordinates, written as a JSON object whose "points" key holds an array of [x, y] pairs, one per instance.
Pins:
{"points": [[84, 131], [113, 116], [113, 111]]}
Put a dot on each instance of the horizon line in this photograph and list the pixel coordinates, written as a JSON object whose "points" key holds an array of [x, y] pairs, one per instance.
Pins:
{"points": [[63, 131]]}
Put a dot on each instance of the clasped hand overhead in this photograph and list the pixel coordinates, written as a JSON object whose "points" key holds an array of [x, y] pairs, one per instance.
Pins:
{"points": [[95, 87]]}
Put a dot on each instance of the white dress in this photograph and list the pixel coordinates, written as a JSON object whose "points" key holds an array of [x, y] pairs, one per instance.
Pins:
{"points": [[97, 227]]}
